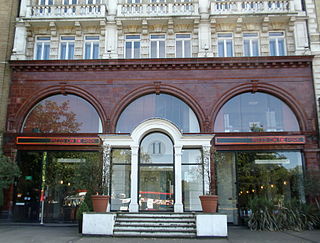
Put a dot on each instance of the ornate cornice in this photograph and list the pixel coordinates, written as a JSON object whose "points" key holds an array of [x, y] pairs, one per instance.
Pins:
{"points": [[161, 64]]}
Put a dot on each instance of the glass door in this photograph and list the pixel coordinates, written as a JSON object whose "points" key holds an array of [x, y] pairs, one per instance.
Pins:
{"points": [[156, 173]]}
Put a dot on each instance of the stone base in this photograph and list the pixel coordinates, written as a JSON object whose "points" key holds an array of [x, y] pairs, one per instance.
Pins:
{"points": [[98, 223], [211, 225]]}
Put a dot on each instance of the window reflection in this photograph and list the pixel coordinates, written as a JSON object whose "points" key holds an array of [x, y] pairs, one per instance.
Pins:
{"points": [[63, 114], [258, 112], [160, 106]]}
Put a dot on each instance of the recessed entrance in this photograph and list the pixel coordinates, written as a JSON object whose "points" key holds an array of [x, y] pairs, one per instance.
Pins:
{"points": [[156, 176]]}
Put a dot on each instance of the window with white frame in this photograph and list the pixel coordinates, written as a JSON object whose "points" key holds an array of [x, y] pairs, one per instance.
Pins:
{"points": [[93, 1], [225, 44], [183, 45], [250, 44], [67, 47], [157, 46], [70, 2], [134, 1], [277, 44], [45, 2], [132, 46], [42, 48], [91, 47]]}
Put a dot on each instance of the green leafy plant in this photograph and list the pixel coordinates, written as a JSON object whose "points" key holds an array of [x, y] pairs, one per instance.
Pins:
{"points": [[290, 215], [82, 209], [8, 171]]}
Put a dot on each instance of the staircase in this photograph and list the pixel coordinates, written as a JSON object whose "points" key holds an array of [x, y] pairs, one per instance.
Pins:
{"points": [[155, 225]]}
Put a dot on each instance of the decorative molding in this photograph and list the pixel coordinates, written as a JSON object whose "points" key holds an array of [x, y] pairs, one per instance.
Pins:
{"points": [[162, 64]]}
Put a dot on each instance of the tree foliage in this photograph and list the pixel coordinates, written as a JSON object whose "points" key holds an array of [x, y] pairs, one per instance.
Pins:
{"points": [[49, 117]]}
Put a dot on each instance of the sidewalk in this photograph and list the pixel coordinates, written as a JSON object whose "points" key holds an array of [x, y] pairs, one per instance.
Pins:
{"points": [[55, 234]]}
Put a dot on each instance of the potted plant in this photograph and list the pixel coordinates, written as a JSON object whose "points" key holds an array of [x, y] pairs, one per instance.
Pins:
{"points": [[8, 171], [209, 201]]}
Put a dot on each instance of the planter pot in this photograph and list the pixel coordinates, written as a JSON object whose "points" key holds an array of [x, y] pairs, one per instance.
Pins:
{"points": [[100, 203], [209, 203]]}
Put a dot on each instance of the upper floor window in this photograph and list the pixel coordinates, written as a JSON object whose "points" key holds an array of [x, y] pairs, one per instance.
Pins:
{"points": [[91, 47], [70, 2], [93, 1], [183, 45], [67, 47], [250, 44], [157, 46], [255, 112], [225, 45], [42, 48], [45, 2], [132, 46], [277, 44], [134, 1]]}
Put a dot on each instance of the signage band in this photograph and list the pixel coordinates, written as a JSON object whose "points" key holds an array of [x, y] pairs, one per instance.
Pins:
{"points": [[58, 141]]}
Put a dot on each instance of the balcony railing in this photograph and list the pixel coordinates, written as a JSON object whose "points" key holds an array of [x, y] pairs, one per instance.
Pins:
{"points": [[76, 10], [251, 6], [157, 8]]}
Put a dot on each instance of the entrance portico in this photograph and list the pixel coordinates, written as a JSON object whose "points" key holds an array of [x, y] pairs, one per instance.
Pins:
{"points": [[158, 145]]}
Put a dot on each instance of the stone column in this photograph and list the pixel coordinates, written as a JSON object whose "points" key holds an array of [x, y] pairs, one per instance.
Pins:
{"points": [[106, 176], [206, 168], [178, 206], [134, 206]]}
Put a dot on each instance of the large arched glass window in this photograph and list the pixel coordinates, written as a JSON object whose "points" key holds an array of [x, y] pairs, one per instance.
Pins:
{"points": [[63, 114], [158, 106], [255, 112]]}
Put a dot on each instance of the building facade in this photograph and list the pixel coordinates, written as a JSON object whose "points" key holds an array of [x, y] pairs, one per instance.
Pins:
{"points": [[174, 98]]}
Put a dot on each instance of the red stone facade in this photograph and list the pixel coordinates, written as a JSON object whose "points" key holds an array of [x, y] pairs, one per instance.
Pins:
{"points": [[205, 84]]}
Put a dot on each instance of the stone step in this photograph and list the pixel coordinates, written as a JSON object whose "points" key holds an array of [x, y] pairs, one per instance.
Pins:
{"points": [[154, 215], [156, 223], [155, 234], [171, 220], [153, 228]]}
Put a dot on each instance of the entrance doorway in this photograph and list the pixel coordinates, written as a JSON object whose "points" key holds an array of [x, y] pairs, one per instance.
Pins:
{"points": [[156, 173]]}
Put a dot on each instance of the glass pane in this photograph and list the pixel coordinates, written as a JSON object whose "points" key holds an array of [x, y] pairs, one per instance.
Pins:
{"points": [[156, 148], [192, 187], [255, 47], [246, 45], [273, 48], [191, 156], [162, 52], [121, 156], [63, 114], [136, 49], [154, 49], [71, 51], [179, 49], [87, 51], [275, 176], [187, 48], [281, 47], [156, 191], [63, 51], [256, 112], [39, 51], [95, 54], [226, 185], [220, 48], [161, 106], [68, 178], [229, 48], [120, 187], [128, 49], [46, 51]]}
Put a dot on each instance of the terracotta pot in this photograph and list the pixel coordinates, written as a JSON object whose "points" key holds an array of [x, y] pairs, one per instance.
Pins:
{"points": [[100, 203], [209, 203]]}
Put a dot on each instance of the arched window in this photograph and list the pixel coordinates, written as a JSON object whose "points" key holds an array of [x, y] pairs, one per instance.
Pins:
{"points": [[255, 112], [63, 114], [158, 106]]}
